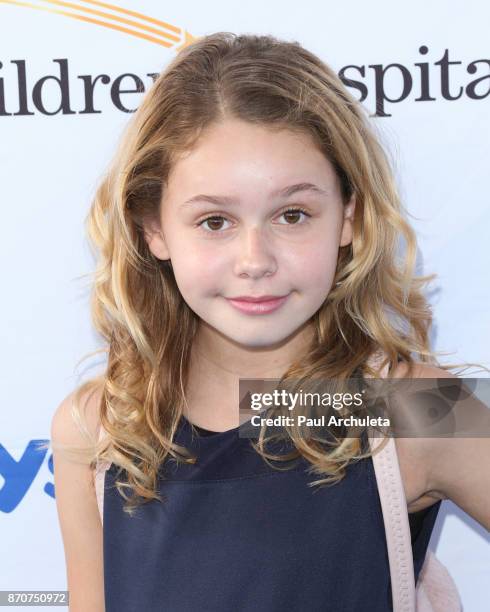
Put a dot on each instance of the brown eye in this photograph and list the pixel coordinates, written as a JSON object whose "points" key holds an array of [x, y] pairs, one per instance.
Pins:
{"points": [[214, 223], [294, 214]]}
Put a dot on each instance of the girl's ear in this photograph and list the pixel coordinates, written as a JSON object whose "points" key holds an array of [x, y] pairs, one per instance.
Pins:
{"points": [[154, 238], [348, 222]]}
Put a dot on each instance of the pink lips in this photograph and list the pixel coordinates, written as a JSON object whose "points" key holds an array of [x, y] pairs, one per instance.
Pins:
{"points": [[262, 306]]}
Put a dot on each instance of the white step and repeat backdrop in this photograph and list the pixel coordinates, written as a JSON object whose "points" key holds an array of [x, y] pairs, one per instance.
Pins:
{"points": [[424, 65]]}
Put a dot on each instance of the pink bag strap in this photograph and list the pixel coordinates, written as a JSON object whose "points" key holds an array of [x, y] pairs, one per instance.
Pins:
{"points": [[397, 526], [395, 518]]}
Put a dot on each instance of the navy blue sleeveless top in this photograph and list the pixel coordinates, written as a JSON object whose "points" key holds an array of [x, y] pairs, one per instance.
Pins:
{"points": [[235, 534]]}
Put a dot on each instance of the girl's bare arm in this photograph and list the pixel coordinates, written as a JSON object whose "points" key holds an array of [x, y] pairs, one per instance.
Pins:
{"points": [[458, 467], [78, 513]]}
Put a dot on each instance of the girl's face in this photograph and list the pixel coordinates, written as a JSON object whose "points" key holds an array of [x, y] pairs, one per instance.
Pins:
{"points": [[224, 226]]}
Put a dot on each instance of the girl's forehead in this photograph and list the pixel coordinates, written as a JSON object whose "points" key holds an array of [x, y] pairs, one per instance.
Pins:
{"points": [[232, 130], [251, 153]]}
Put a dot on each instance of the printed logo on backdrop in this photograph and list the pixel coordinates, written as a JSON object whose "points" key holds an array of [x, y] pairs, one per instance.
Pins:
{"points": [[433, 76], [19, 476]]}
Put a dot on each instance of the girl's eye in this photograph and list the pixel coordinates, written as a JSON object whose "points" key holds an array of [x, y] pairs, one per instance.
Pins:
{"points": [[214, 220], [291, 214]]}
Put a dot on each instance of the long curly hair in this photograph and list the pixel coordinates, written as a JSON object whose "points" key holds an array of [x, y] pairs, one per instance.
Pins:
{"points": [[376, 303]]}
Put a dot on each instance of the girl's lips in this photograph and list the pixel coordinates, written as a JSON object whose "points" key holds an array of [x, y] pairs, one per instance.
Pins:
{"points": [[258, 307]]}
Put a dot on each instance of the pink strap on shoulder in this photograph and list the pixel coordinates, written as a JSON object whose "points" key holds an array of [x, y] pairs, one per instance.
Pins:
{"points": [[397, 526], [395, 518], [99, 474], [436, 590]]}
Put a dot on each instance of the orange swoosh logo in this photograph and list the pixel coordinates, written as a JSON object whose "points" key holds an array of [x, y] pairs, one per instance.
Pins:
{"points": [[164, 34]]}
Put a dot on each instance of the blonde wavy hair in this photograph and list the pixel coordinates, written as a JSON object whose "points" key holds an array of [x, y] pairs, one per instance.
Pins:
{"points": [[376, 302]]}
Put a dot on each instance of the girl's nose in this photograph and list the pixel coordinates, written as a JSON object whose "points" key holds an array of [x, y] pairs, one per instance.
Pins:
{"points": [[255, 257]]}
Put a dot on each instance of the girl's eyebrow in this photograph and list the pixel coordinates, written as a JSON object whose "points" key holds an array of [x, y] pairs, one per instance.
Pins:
{"points": [[283, 192]]}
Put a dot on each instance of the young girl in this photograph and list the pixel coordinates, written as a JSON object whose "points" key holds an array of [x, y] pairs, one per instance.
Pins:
{"points": [[247, 228]]}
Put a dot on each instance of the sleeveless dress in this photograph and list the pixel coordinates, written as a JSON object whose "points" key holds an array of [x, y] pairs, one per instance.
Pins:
{"points": [[235, 534]]}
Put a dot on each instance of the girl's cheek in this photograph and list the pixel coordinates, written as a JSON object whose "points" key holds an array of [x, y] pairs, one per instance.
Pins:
{"points": [[316, 258], [321, 270], [199, 270]]}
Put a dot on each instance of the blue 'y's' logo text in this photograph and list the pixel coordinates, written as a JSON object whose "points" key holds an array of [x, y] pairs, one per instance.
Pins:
{"points": [[19, 475]]}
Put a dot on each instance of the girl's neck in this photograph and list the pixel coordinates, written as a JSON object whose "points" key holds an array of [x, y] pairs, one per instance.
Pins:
{"points": [[226, 359], [216, 366]]}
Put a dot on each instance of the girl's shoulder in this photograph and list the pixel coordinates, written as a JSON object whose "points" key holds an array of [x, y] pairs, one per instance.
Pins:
{"points": [[76, 416], [417, 454], [452, 466], [420, 370], [76, 428]]}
